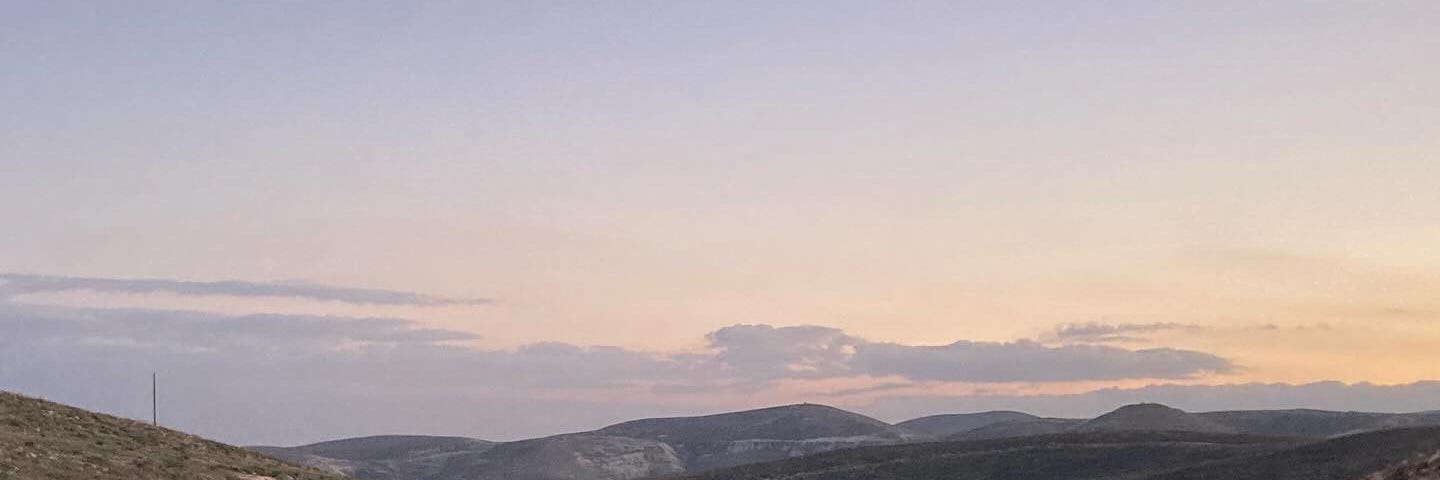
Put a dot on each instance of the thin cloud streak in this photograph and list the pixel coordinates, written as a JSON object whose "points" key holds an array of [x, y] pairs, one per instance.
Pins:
{"points": [[12, 285]]}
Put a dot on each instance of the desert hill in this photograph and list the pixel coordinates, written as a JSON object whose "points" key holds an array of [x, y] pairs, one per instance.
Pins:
{"points": [[791, 434], [939, 426], [41, 440], [1421, 468], [1152, 417]]}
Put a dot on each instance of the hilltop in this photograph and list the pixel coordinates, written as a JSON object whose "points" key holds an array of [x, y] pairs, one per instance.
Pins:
{"points": [[951, 424], [42, 440], [1152, 417], [789, 422]]}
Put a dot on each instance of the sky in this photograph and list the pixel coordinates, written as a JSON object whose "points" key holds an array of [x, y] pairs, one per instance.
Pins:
{"points": [[323, 219]]}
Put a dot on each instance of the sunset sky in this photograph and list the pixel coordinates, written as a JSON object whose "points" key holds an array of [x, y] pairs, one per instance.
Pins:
{"points": [[331, 218]]}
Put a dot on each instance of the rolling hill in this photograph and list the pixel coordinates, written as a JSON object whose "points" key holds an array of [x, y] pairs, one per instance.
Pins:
{"points": [[1425, 467], [385, 456], [939, 426], [624, 451], [1152, 417], [1341, 458], [41, 440], [1143, 439]]}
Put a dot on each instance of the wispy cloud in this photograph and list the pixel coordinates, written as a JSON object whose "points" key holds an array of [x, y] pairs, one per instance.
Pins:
{"points": [[763, 352], [1096, 332], [304, 367], [12, 285]]}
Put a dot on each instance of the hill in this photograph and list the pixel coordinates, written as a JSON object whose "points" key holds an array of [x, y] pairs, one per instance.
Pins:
{"points": [[1022, 428], [692, 445], [49, 441], [1093, 456], [383, 457], [1342, 458], [1152, 417], [790, 422], [1112, 455], [1317, 423], [939, 426], [623, 451], [1421, 468]]}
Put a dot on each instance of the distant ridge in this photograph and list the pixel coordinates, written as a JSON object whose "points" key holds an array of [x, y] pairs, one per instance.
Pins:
{"points": [[625, 451], [1154, 439]]}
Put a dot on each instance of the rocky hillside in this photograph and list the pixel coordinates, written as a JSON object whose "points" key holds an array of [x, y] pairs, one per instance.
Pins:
{"points": [[630, 450], [1421, 468], [42, 440], [575, 456], [385, 456]]}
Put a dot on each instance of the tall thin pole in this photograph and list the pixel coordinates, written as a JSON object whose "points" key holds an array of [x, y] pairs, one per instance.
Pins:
{"points": [[154, 401]]}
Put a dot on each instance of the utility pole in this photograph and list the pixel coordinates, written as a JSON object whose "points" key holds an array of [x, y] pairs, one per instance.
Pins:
{"points": [[154, 401]]}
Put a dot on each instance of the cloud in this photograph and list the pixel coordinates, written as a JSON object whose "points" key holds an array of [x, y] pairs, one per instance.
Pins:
{"points": [[763, 352], [190, 330], [273, 372], [1095, 332], [12, 285], [1028, 361], [883, 387]]}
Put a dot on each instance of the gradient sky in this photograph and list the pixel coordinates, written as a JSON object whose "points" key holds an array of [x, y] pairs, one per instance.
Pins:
{"points": [[603, 210]]}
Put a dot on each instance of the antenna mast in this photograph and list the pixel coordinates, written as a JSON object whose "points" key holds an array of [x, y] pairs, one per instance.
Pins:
{"points": [[154, 401]]}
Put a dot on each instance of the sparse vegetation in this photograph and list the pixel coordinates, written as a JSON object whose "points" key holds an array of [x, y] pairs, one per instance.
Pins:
{"points": [[41, 440]]}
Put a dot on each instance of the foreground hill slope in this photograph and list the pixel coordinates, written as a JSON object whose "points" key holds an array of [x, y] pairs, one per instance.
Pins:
{"points": [[1422, 468], [41, 440]]}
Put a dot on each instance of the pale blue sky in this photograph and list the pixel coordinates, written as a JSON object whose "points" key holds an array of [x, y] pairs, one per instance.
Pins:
{"points": [[642, 174]]}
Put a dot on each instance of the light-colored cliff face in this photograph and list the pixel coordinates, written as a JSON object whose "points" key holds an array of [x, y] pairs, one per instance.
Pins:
{"points": [[616, 458]]}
